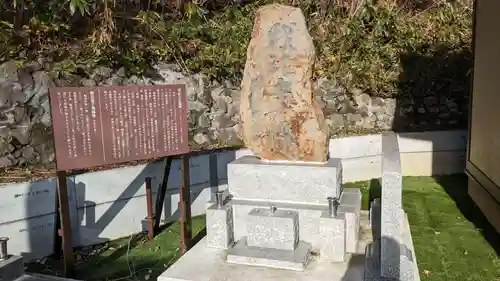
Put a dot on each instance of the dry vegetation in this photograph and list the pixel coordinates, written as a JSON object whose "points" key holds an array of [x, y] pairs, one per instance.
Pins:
{"points": [[359, 42], [387, 48]]}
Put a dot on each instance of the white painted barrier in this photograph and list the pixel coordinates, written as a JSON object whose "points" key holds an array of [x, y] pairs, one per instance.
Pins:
{"points": [[109, 204], [27, 216]]}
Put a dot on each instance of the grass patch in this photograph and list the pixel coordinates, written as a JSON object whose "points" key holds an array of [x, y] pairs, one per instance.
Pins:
{"points": [[137, 259], [452, 238], [129, 259]]}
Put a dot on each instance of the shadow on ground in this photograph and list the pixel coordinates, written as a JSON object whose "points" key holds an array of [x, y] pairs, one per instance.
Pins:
{"points": [[457, 190]]}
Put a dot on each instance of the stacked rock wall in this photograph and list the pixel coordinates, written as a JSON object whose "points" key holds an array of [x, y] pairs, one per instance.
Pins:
{"points": [[26, 132]]}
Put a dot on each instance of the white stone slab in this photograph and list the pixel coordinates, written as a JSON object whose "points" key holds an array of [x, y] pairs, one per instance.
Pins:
{"points": [[408, 242], [360, 169], [243, 254], [251, 178], [214, 268], [199, 171], [26, 200], [200, 195], [309, 219], [277, 229], [116, 184], [371, 145], [432, 141], [333, 234], [433, 163], [32, 238], [98, 223], [355, 146], [351, 215], [127, 182], [372, 259], [413, 164], [220, 227], [392, 216]]}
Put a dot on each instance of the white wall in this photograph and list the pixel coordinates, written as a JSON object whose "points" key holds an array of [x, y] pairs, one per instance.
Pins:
{"points": [[109, 204]]}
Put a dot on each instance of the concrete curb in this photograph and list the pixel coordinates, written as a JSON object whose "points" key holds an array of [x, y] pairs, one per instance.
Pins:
{"points": [[106, 205]]}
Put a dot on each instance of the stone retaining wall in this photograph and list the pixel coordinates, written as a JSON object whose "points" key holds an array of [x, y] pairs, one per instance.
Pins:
{"points": [[25, 123]]}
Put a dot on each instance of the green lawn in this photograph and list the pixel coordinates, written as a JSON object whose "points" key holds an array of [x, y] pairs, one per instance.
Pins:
{"points": [[452, 239], [143, 260]]}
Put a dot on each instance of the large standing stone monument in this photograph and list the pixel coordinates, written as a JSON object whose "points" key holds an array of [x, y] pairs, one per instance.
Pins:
{"points": [[280, 118], [285, 215]]}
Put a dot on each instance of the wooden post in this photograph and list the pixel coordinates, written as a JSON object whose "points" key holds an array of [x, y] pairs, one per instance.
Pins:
{"points": [[160, 197], [65, 222], [185, 206]]}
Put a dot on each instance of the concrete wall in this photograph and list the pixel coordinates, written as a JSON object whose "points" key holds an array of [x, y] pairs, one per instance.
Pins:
{"points": [[110, 204]]}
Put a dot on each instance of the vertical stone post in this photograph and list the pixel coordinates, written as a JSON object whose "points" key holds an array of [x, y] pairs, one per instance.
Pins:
{"points": [[220, 232], [332, 229]]}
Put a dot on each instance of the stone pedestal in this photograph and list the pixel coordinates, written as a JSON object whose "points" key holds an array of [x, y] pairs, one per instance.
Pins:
{"points": [[220, 226], [333, 234], [293, 182], [277, 214], [295, 260], [273, 229]]}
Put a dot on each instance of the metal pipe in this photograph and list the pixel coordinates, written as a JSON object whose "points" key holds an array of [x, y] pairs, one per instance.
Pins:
{"points": [[333, 205], [149, 209], [185, 206], [272, 208], [3, 248], [219, 199]]}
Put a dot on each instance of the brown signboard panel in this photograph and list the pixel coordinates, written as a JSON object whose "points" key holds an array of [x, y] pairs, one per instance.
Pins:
{"points": [[95, 126]]}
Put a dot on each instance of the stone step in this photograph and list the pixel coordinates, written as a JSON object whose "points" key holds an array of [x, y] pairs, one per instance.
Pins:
{"points": [[295, 260]]}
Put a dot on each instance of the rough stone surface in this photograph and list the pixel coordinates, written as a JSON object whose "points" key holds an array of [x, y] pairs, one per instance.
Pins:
{"points": [[252, 178], [220, 227], [333, 234], [392, 213], [214, 118], [280, 117], [297, 260], [275, 230]]}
